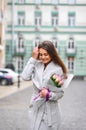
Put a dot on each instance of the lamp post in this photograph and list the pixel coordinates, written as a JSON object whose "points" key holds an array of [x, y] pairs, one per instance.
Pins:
{"points": [[18, 73], [19, 40]]}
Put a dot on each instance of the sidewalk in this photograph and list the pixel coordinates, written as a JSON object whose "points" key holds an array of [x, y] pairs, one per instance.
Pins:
{"points": [[9, 89]]}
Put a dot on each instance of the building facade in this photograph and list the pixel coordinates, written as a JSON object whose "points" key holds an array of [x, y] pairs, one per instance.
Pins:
{"points": [[2, 32], [30, 22]]}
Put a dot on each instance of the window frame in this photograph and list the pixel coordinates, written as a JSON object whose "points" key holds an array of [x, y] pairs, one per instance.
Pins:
{"points": [[21, 18], [20, 45], [36, 42], [70, 64], [55, 19], [71, 43], [71, 19], [55, 42], [37, 19]]}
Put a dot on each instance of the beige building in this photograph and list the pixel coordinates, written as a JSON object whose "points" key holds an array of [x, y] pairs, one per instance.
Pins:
{"points": [[2, 36]]}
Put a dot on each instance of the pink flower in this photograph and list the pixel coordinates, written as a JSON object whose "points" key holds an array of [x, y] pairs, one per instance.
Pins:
{"points": [[57, 80]]}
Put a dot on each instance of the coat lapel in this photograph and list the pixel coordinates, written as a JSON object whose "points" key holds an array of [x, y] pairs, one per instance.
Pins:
{"points": [[42, 76]]}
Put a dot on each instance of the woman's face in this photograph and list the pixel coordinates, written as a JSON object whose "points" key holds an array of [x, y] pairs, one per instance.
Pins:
{"points": [[44, 56]]}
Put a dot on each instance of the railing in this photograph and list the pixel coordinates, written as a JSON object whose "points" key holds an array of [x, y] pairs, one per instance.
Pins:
{"points": [[71, 51], [19, 51]]}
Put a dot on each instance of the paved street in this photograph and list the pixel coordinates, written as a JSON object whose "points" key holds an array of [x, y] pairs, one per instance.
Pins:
{"points": [[14, 108], [73, 106]]}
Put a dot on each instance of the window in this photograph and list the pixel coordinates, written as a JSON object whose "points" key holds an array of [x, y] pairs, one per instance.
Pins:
{"points": [[54, 2], [36, 42], [20, 45], [70, 63], [37, 19], [21, 18], [54, 19], [55, 42], [71, 43], [71, 19], [19, 63]]}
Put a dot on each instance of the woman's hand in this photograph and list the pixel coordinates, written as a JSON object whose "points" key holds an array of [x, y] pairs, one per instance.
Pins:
{"points": [[43, 93], [35, 53]]}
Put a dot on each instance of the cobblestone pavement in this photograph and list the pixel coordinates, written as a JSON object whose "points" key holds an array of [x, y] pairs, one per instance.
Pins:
{"points": [[14, 108]]}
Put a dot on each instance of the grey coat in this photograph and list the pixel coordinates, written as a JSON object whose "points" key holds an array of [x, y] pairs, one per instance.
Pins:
{"points": [[40, 109]]}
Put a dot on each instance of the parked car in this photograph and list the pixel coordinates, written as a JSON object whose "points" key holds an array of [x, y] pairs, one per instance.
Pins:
{"points": [[9, 72], [5, 79]]}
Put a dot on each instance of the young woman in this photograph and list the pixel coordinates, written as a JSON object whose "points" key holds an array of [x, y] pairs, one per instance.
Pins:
{"points": [[44, 109]]}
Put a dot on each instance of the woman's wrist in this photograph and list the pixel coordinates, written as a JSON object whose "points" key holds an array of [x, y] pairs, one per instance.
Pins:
{"points": [[45, 93], [48, 95]]}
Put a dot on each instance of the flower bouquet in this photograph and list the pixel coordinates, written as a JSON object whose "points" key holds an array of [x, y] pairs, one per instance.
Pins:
{"points": [[57, 80]]}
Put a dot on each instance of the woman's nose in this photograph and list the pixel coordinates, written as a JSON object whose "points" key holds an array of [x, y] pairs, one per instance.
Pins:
{"points": [[43, 56]]}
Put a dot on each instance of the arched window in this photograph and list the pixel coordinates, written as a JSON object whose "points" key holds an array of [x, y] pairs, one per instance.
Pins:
{"points": [[71, 64], [36, 42], [71, 43], [20, 47], [55, 42]]}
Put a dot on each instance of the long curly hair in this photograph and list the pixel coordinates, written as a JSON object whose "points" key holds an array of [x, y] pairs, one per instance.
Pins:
{"points": [[50, 48]]}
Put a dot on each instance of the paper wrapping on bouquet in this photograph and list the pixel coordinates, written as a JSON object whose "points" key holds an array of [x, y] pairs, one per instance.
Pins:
{"points": [[61, 81], [68, 80]]}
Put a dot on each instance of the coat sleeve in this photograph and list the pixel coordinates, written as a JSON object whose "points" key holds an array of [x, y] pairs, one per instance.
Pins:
{"points": [[29, 69], [56, 95]]}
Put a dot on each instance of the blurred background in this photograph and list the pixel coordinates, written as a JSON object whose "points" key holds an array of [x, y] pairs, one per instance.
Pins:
{"points": [[26, 23]]}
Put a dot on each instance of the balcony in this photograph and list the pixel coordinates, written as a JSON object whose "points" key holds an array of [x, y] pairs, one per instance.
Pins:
{"points": [[71, 51], [19, 51], [37, 28], [55, 29]]}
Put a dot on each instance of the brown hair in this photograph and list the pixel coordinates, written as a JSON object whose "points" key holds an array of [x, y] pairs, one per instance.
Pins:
{"points": [[50, 48]]}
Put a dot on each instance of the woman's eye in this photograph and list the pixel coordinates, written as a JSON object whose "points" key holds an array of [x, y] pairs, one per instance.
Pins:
{"points": [[46, 54], [40, 54], [43, 54]]}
